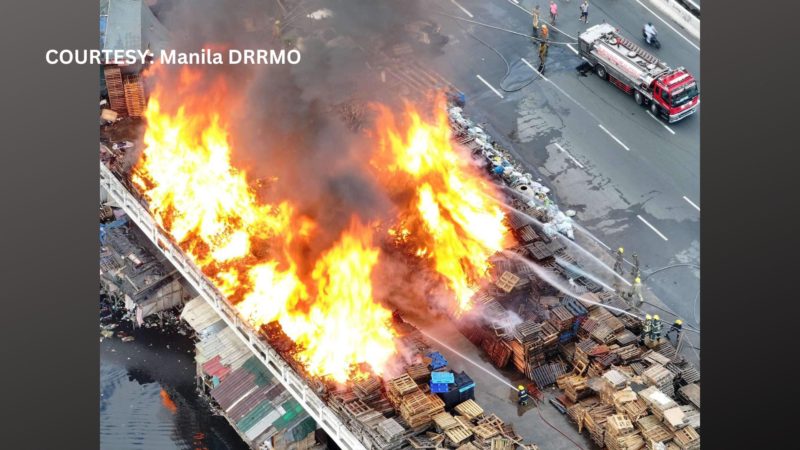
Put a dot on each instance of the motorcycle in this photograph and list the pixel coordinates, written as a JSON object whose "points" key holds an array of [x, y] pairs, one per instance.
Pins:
{"points": [[653, 42]]}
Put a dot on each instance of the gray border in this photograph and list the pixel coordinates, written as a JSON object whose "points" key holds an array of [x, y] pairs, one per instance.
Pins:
{"points": [[49, 239], [49, 366], [749, 163]]}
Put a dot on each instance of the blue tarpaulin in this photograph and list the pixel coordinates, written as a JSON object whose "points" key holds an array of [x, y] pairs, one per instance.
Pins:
{"points": [[438, 360], [115, 224]]}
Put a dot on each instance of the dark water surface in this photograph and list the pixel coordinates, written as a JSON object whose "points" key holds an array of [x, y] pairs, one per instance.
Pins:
{"points": [[148, 399]]}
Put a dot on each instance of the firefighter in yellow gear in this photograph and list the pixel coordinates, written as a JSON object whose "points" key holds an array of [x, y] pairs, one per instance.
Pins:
{"points": [[522, 395], [619, 260], [676, 328]]}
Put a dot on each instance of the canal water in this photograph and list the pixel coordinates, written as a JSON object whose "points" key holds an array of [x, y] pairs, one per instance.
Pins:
{"points": [[148, 399]]}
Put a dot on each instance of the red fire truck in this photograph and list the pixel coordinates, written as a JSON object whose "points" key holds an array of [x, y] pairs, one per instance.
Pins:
{"points": [[669, 93]]}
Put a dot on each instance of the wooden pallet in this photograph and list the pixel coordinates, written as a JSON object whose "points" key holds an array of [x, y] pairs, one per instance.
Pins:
{"points": [[507, 281], [418, 372], [469, 409], [618, 425], [134, 95], [402, 385], [116, 89], [485, 431], [457, 434], [444, 421], [687, 438]]}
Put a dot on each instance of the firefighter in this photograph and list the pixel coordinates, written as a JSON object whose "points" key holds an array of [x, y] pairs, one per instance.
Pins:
{"points": [[635, 271], [648, 324], [655, 330], [677, 328], [522, 395], [635, 293], [543, 47], [618, 262]]}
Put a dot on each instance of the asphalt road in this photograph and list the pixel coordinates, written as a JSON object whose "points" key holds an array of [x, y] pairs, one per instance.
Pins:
{"points": [[633, 180]]}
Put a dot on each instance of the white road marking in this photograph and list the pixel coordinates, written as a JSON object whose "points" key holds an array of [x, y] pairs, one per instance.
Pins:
{"points": [[570, 156], [691, 203], [462, 8], [652, 227], [490, 86], [613, 137], [520, 7], [534, 69], [572, 48], [515, 2], [659, 121], [670, 26]]}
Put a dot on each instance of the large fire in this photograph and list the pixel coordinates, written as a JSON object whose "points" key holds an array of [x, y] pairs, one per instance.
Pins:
{"points": [[451, 218], [207, 205], [253, 249]]}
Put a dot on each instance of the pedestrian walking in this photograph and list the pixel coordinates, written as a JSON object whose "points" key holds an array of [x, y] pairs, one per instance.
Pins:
{"points": [[535, 14], [584, 12], [619, 260], [545, 33], [553, 12]]}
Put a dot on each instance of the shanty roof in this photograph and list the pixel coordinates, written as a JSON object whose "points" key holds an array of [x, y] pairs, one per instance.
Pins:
{"points": [[250, 396], [201, 316], [130, 25]]}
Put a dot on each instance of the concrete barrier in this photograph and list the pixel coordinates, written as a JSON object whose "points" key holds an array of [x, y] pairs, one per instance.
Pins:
{"points": [[677, 12]]}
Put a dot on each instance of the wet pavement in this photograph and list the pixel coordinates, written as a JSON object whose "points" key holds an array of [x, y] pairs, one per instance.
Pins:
{"points": [[148, 399]]}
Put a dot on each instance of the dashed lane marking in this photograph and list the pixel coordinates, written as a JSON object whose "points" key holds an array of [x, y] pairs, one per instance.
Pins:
{"points": [[660, 122], [570, 156], [691, 203], [462, 8], [613, 137], [490, 86], [652, 227]]}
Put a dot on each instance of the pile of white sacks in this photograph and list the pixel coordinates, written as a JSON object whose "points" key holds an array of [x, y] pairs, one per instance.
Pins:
{"points": [[501, 164]]}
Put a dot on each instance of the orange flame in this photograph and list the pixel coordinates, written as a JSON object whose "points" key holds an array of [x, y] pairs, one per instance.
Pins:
{"points": [[455, 223], [244, 245]]}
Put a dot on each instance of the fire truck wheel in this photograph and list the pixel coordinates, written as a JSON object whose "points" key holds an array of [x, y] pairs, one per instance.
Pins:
{"points": [[638, 98], [601, 71], [655, 109]]}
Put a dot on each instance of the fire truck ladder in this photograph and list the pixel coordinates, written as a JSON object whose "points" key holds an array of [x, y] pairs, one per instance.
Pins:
{"points": [[636, 49]]}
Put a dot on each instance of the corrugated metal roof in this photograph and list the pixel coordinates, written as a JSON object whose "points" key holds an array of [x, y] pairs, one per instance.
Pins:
{"points": [[251, 397], [242, 408], [214, 368], [231, 350], [200, 316], [233, 388]]}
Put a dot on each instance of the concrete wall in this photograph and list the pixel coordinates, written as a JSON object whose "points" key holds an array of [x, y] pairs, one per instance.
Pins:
{"points": [[677, 12]]}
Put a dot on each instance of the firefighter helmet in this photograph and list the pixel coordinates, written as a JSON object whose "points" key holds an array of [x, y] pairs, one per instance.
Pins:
{"points": [[656, 317], [521, 387], [621, 250], [678, 322]]}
